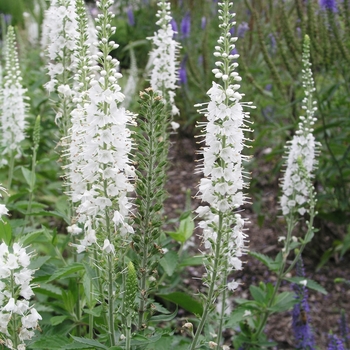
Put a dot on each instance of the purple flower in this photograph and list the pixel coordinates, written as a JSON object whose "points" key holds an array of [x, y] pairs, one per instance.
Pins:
{"points": [[186, 26], [344, 329], [330, 5], [335, 343], [301, 320], [131, 17], [174, 25], [242, 28], [182, 72], [203, 22], [272, 42]]}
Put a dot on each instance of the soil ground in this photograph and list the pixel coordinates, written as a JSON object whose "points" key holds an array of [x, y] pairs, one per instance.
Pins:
{"points": [[324, 309]]}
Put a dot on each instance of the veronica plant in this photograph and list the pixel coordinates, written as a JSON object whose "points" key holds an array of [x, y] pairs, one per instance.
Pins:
{"points": [[164, 73], [18, 319], [223, 182], [149, 195], [13, 107], [104, 141], [297, 200], [58, 40]]}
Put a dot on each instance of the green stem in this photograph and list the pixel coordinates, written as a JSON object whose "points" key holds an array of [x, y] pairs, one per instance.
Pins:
{"points": [[14, 316], [280, 276], [11, 170], [211, 294]]}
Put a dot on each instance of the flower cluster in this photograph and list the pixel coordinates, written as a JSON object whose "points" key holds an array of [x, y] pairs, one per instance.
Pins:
{"points": [[301, 320], [3, 209], [301, 150], [335, 343], [104, 146], [164, 57], [18, 319], [58, 39], [13, 107], [223, 182]]}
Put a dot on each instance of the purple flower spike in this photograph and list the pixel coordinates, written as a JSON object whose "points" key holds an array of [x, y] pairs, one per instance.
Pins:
{"points": [[335, 343], [301, 320], [330, 5], [174, 25], [242, 28], [182, 72], [186, 26], [344, 329], [203, 22], [131, 17]]}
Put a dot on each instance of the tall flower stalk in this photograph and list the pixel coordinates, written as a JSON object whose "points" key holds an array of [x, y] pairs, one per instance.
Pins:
{"points": [[298, 194], [13, 107], [149, 195], [164, 55], [58, 40], [102, 140], [18, 319], [223, 183]]}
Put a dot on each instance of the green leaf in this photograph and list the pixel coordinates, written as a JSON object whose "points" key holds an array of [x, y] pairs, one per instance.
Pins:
{"points": [[30, 237], [192, 261], [29, 177], [169, 262], [310, 284], [66, 271], [56, 342], [55, 320], [184, 231], [270, 263], [163, 343], [257, 294], [38, 262], [185, 301], [5, 231], [49, 290], [165, 318], [284, 302], [90, 342]]}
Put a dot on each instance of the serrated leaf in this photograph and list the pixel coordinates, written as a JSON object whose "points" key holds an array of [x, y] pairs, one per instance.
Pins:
{"points": [[284, 301], [311, 284], [39, 261], [184, 231], [90, 342], [30, 180], [49, 290], [5, 231], [30, 237], [257, 294], [169, 262], [66, 271], [52, 342], [165, 318], [185, 301], [55, 320], [270, 263], [192, 261]]}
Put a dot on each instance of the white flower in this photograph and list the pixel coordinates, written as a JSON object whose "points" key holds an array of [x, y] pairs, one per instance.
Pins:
{"points": [[164, 55], [13, 108], [222, 186], [301, 150], [108, 247]]}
